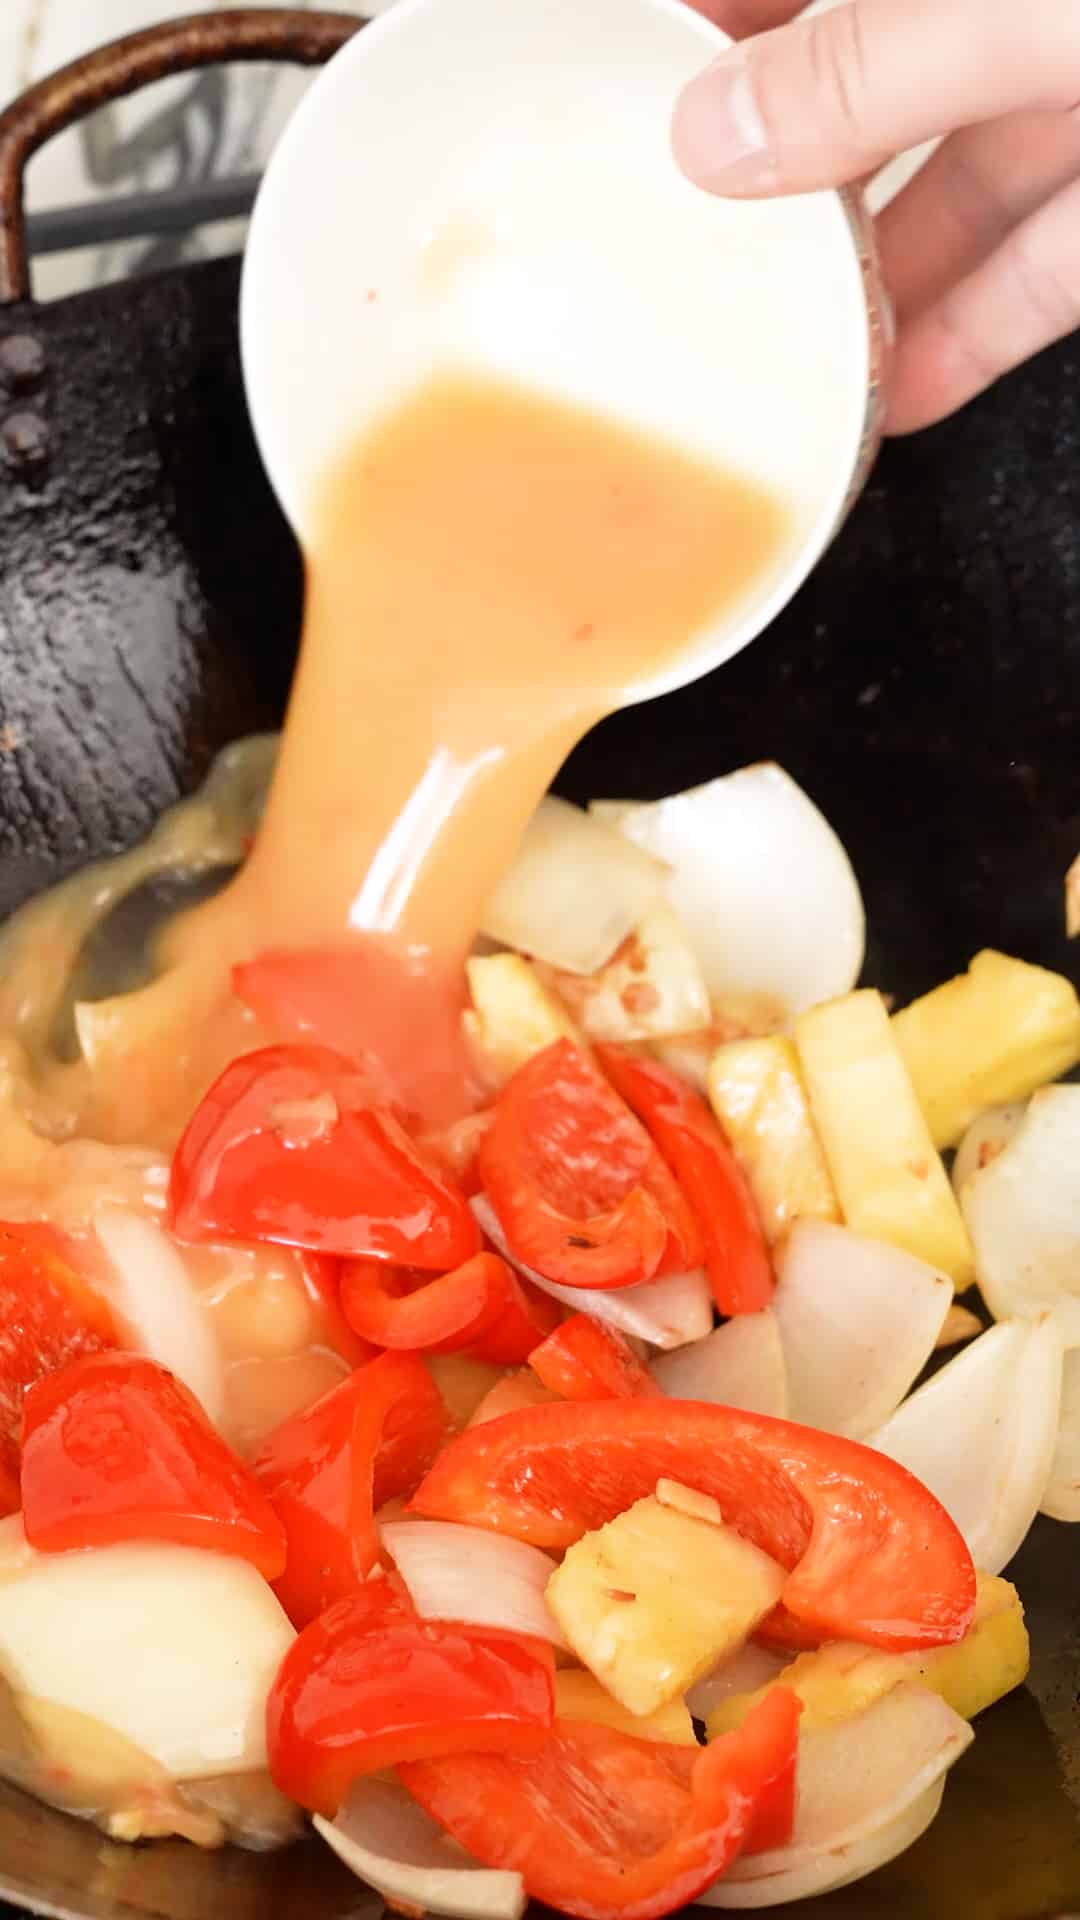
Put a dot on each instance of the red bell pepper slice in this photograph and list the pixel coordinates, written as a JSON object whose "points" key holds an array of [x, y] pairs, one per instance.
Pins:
{"points": [[527, 1318], [872, 1555], [582, 1360], [481, 1305], [773, 1817], [696, 1149], [114, 1447], [48, 1316], [378, 1004], [369, 1685], [327, 1470], [581, 1192], [287, 1147], [608, 1827]]}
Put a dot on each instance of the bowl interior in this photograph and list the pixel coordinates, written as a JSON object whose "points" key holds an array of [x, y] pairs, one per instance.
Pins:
{"points": [[520, 214]]}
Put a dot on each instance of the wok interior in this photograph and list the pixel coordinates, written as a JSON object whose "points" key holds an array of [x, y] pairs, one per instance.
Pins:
{"points": [[924, 687]]}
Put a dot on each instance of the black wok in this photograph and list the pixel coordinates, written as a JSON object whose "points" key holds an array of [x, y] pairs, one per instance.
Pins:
{"points": [[925, 687]]}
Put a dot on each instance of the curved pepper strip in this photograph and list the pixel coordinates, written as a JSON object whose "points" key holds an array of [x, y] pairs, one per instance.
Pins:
{"points": [[288, 1146], [49, 1315], [582, 1360], [369, 1684], [327, 1470], [114, 1447], [696, 1149], [607, 1827], [480, 1307], [580, 1190], [873, 1556]]}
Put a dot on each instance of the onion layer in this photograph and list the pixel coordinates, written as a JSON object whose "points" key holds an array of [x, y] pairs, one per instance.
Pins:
{"points": [[665, 1313], [1061, 1499], [858, 1321], [981, 1434], [463, 1573], [761, 884], [739, 1365], [988, 1135], [868, 1787], [1023, 1215], [574, 892], [160, 1305], [173, 1647], [388, 1841]]}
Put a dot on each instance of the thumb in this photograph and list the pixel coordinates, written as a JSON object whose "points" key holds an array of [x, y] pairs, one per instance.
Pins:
{"points": [[827, 99]]}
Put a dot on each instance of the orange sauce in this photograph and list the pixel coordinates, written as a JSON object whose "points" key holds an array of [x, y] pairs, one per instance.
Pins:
{"points": [[491, 572]]}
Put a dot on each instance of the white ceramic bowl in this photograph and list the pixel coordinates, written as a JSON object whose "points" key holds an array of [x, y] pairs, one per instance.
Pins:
{"points": [[489, 185]]}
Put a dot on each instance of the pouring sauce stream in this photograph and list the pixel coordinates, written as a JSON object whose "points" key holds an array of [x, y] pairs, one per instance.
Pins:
{"points": [[492, 571]]}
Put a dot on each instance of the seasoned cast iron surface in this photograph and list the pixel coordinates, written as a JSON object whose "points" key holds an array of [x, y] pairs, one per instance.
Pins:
{"points": [[925, 687], [149, 591]]}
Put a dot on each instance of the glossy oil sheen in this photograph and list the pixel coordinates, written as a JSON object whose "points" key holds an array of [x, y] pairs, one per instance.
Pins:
{"points": [[925, 686]]}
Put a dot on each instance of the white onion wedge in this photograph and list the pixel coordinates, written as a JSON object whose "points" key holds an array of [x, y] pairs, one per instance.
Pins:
{"points": [[819, 1870], [988, 1135], [391, 1843], [462, 1573], [1023, 1215], [665, 1313], [574, 892], [173, 1647], [857, 1322], [760, 883], [981, 1434], [868, 1787], [738, 1365], [160, 1305], [1061, 1500], [752, 1667]]}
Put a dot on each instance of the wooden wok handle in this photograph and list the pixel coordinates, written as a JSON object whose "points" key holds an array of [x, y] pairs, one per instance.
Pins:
{"points": [[199, 40]]}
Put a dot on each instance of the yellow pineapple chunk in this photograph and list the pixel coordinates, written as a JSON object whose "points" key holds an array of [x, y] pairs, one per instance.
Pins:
{"points": [[842, 1678], [884, 1165], [513, 1015], [991, 1659], [579, 1696], [993, 1034], [654, 1599], [758, 1095], [651, 986]]}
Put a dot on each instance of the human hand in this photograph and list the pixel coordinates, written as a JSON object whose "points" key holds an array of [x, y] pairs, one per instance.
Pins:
{"points": [[981, 250]]}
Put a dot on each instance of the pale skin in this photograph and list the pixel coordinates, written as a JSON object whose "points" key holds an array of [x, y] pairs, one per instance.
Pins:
{"points": [[981, 251]]}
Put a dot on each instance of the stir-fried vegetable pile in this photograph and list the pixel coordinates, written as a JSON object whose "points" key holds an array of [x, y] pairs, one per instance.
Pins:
{"points": [[625, 1562]]}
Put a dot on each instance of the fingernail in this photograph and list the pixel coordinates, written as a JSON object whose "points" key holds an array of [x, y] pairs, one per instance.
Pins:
{"points": [[718, 135]]}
